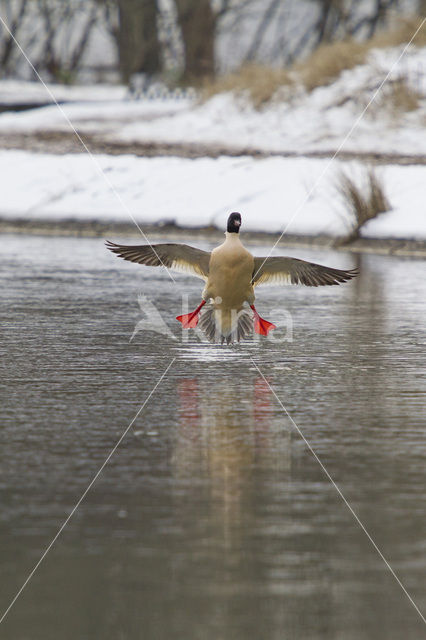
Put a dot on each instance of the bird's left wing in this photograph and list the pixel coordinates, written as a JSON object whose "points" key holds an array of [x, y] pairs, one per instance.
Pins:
{"points": [[283, 270], [179, 257]]}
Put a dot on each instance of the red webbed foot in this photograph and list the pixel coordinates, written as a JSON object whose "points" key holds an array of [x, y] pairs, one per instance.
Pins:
{"points": [[190, 320], [261, 326]]}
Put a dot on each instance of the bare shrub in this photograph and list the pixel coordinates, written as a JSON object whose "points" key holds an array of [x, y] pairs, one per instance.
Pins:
{"points": [[361, 203]]}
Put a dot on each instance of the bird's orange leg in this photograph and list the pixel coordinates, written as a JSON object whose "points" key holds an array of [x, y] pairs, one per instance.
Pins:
{"points": [[190, 320], [261, 325]]}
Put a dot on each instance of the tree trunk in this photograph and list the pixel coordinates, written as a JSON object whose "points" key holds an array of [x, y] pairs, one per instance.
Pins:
{"points": [[138, 44], [197, 23], [327, 6]]}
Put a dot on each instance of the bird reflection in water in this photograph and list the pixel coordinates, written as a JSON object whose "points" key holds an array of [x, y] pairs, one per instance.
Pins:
{"points": [[229, 442]]}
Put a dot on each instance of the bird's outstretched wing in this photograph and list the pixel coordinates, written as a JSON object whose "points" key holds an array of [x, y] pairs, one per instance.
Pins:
{"points": [[179, 257], [282, 270]]}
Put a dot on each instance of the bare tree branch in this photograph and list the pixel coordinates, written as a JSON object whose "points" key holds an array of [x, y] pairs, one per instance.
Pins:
{"points": [[82, 44], [14, 25], [260, 32]]}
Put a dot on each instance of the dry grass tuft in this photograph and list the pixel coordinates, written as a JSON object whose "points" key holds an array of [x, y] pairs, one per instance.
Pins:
{"points": [[362, 203], [396, 98], [401, 97], [327, 62], [260, 83], [321, 68], [400, 33]]}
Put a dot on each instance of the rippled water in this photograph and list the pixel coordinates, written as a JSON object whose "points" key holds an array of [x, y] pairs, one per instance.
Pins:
{"points": [[212, 520]]}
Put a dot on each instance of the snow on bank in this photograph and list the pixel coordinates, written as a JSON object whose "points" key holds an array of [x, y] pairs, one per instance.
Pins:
{"points": [[273, 194], [21, 92], [316, 121]]}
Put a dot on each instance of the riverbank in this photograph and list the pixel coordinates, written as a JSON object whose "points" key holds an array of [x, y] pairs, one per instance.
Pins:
{"points": [[98, 229], [177, 167], [299, 196]]}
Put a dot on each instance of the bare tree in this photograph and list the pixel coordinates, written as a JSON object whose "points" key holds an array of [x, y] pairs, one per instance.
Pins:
{"points": [[17, 14], [198, 24], [267, 18], [80, 47], [180, 36], [137, 37], [339, 18], [64, 36], [374, 20]]}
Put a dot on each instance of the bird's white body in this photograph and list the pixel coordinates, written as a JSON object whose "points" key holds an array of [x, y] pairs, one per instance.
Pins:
{"points": [[229, 282], [230, 272]]}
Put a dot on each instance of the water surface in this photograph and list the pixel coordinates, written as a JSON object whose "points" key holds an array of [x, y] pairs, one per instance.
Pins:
{"points": [[212, 520]]}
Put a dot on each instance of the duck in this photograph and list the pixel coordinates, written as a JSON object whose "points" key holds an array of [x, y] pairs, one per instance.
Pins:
{"points": [[231, 274]]}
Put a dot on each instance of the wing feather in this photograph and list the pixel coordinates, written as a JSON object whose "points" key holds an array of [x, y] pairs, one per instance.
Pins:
{"points": [[179, 257], [283, 270]]}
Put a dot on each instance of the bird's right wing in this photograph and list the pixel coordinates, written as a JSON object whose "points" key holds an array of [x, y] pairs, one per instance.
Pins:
{"points": [[179, 257]]}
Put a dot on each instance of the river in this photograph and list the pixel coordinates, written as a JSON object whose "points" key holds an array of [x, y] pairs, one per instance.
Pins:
{"points": [[213, 519]]}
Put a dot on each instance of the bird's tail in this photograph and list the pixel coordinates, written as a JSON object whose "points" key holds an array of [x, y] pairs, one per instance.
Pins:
{"points": [[223, 325]]}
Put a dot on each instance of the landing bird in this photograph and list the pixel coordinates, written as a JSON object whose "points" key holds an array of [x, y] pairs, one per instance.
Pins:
{"points": [[230, 273]]}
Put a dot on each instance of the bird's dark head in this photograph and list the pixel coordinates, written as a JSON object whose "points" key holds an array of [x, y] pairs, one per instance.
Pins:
{"points": [[234, 223]]}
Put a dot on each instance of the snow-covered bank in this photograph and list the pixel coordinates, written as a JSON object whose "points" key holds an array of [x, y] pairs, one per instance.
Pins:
{"points": [[274, 194], [321, 120], [298, 195], [15, 92], [297, 122]]}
